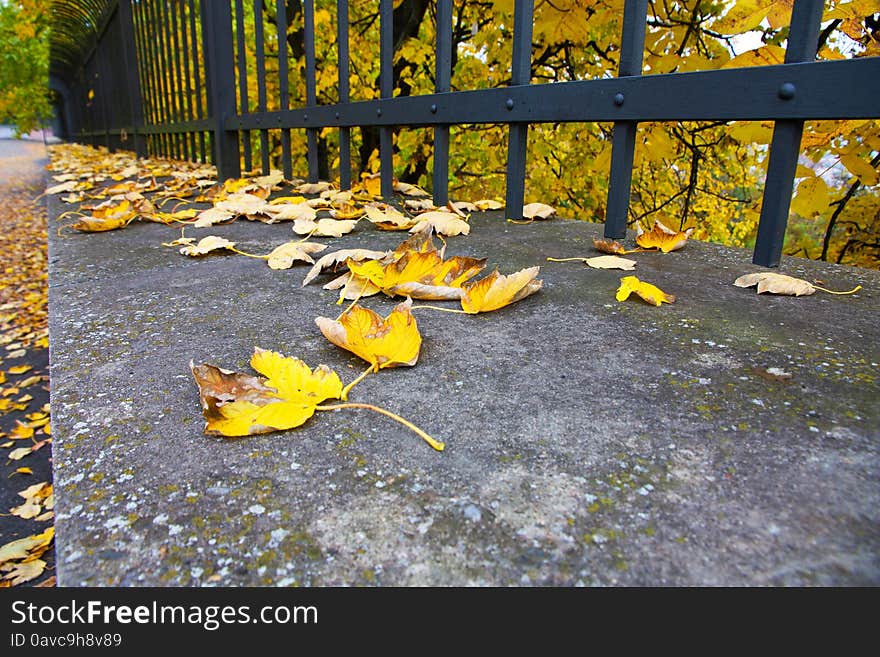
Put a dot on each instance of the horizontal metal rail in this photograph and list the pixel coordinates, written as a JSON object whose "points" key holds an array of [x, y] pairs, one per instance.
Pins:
{"points": [[181, 89]]}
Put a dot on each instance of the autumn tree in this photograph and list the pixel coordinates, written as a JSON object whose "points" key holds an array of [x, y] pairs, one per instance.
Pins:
{"points": [[24, 64]]}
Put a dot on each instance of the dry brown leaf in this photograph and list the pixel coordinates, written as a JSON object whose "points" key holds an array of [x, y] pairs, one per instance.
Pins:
{"points": [[291, 211], [409, 190], [352, 287], [419, 205], [610, 246], [212, 216], [388, 217], [347, 211], [25, 571], [488, 204], [776, 284], [313, 188]]}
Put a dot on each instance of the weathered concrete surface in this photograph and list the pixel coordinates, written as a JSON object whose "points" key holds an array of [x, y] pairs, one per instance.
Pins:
{"points": [[588, 441]]}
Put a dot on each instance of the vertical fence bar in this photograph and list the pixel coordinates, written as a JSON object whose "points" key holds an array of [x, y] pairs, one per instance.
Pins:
{"points": [[219, 71], [311, 99], [187, 80], [806, 18], [344, 133], [181, 90], [102, 92], [146, 66], [632, 47], [133, 76], [165, 38], [443, 83], [167, 91], [386, 90], [283, 85], [260, 47], [244, 105], [161, 94], [520, 73], [197, 75]]}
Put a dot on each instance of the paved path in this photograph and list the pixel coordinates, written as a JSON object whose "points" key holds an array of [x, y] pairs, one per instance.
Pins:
{"points": [[22, 172], [588, 441]]}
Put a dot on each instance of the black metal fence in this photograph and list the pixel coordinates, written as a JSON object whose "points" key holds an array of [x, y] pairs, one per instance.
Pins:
{"points": [[161, 80]]}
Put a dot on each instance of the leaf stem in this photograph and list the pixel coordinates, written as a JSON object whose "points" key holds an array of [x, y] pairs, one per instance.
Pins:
{"points": [[409, 425], [852, 291], [356, 299], [249, 255], [351, 385], [567, 259], [445, 310]]}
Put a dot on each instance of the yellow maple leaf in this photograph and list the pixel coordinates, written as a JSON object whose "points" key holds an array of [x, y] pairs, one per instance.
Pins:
{"points": [[650, 293], [420, 275], [444, 223], [286, 396], [390, 342], [496, 290], [661, 237], [206, 245], [347, 211]]}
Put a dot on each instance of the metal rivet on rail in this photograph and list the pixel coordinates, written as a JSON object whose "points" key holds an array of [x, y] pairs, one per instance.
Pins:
{"points": [[337, 115], [509, 103], [786, 91], [618, 99], [305, 117], [379, 112], [433, 109]]}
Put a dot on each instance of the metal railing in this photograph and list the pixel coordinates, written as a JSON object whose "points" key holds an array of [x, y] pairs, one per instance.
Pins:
{"points": [[160, 79]]}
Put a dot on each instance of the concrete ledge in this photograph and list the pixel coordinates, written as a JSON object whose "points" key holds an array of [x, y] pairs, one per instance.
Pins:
{"points": [[588, 441]]}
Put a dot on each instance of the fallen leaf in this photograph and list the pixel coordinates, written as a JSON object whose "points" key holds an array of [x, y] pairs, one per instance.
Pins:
{"points": [[97, 225], [206, 245], [419, 205], [464, 206], [27, 510], [391, 342], [18, 454], [324, 227], [313, 188], [650, 293], [339, 257], [776, 284], [291, 211], [610, 246], [283, 257], [538, 211], [272, 179], [19, 369], [26, 471], [420, 275], [23, 547], [352, 287], [661, 237], [25, 571], [212, 216], [242, 205], [408, 189], [496, 290], [285, 397], [347, 211], [67, 186], [389, 218], [443, 223], [602, 262], [488, 204]]}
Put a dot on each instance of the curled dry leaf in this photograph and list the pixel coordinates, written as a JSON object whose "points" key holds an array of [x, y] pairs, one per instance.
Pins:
{"points": [[273, 179], [419, 205], [284, 397], [291, 211], [323, 227], [67, 186], [463, 206], [390, 342], [444, 223], [408, 189], [212, 216], [420, 275], [388, 217], [496, 290], [610, 262], [242, 204], [352, 287], [206, 245], [661, 237], [610, 246], [339, 257], [776, 284], [488, 204], [283, 257], [347, 211], [313, 188], [25, 548], [649, 293], [538, 211]]}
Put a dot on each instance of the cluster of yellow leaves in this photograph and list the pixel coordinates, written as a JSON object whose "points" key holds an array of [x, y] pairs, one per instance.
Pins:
{"points": [[39, 502], [20, 560]]}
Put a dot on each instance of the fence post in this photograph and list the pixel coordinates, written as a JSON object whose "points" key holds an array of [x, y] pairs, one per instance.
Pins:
{"points": [[623, 143], [129, 56], [518, 133], [806, 17], [219, 76]]}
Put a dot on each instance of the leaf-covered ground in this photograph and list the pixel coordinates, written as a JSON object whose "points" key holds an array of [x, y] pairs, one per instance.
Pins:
{"points": [[25, 432]]}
